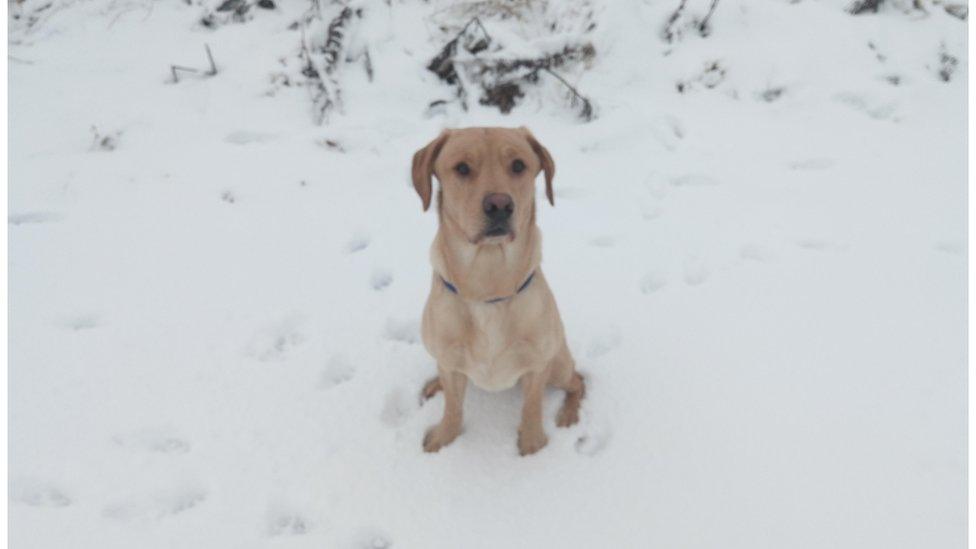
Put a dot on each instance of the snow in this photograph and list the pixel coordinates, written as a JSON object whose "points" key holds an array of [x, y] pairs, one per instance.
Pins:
{"points": [[214, 319]]}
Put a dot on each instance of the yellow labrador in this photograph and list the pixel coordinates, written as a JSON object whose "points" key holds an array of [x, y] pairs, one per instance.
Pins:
{"points": [[490, 316]]}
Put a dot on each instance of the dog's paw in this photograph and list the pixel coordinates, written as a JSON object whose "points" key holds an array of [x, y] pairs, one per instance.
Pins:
{"points": [[569, 414], [530, 442], [439, 436], [431, 388]]}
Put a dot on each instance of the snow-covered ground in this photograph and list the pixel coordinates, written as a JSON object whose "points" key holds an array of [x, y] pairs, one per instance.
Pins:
{"points": [[214, 313]]}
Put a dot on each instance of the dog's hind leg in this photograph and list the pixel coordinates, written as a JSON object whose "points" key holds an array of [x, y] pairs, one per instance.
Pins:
{"points": [[563, 375], [431, 388]]}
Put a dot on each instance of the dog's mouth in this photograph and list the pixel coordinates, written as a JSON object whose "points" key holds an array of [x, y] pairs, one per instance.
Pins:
{"points": [[496, 232]]}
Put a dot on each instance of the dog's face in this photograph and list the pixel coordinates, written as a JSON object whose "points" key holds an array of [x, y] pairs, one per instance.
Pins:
{"points": [[487, 178]]}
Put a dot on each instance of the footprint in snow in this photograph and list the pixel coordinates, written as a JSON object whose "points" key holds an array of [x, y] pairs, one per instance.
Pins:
{"points": [[397, 407], [373, 539], [381, 278], [287, 524], [594, 440], [156, 441], [693, 180], [357, 243], [154, 506], [656, 186], [276, 343], [81, 322], [652, 282], [602, 344], [695, 272], [244, 137], [869, 107], [650, 212], [26, 218], [812, 244], [949, 247], [667, 131], [811, 164], [38, 494], [337, 371], [404, 331], [755, 252]]}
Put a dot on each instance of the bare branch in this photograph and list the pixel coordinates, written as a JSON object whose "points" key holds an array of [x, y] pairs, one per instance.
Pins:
{"points": [[213, 66], [668, 33], [586, 111], [175, 69], [703, 27]]}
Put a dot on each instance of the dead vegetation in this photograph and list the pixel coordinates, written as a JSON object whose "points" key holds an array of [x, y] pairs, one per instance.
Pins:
{"points": [[473, 63], [959, 11], [948, 64], [860, 7], [105, 142], [711, 76], [324, 49], [864, 6], [682, 20]]}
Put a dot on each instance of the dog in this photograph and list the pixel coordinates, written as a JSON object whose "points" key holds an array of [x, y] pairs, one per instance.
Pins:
{"points": [[490, 317]]}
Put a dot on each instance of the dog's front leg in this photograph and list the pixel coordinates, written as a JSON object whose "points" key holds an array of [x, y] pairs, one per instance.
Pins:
{"points": [[531, 436], [449, 428]]}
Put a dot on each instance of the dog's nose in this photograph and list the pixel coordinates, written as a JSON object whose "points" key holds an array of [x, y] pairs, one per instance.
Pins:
{"points": [[498, 206]]}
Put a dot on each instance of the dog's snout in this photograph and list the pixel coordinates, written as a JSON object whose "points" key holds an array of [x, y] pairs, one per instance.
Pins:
{"points": [[498, 206]]}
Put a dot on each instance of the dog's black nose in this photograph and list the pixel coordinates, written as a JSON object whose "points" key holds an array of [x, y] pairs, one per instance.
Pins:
{"points": [[498, 206]]}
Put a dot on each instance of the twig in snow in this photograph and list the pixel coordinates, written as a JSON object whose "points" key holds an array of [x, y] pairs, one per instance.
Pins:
{"points": [[703, 27], [174, 69], [586, 111], [213, 66], [668, 33], [368, 64]]}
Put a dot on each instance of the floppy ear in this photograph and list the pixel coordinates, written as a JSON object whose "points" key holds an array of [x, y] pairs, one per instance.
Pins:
{"points": [[548, 166], [423, 167]]}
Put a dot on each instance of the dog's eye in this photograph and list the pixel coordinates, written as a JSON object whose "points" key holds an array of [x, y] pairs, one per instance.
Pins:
{"points": [[463, 169], [518, 166]]}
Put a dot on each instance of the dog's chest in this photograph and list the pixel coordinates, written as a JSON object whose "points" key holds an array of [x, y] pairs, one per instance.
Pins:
{"points": [[492, 353]]}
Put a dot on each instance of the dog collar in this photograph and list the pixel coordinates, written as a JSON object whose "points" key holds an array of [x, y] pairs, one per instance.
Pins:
{"points": [[453, 289]]}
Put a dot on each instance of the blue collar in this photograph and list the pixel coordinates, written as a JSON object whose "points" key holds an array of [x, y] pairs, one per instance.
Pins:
{"points": [[453, 289]]}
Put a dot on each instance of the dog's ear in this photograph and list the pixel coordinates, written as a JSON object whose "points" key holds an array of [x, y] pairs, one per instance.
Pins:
{"points": [[423, 167], [548, 166]]}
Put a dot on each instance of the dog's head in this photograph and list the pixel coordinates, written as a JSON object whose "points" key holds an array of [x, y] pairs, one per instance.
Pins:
{"points": [[487, 178]]}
